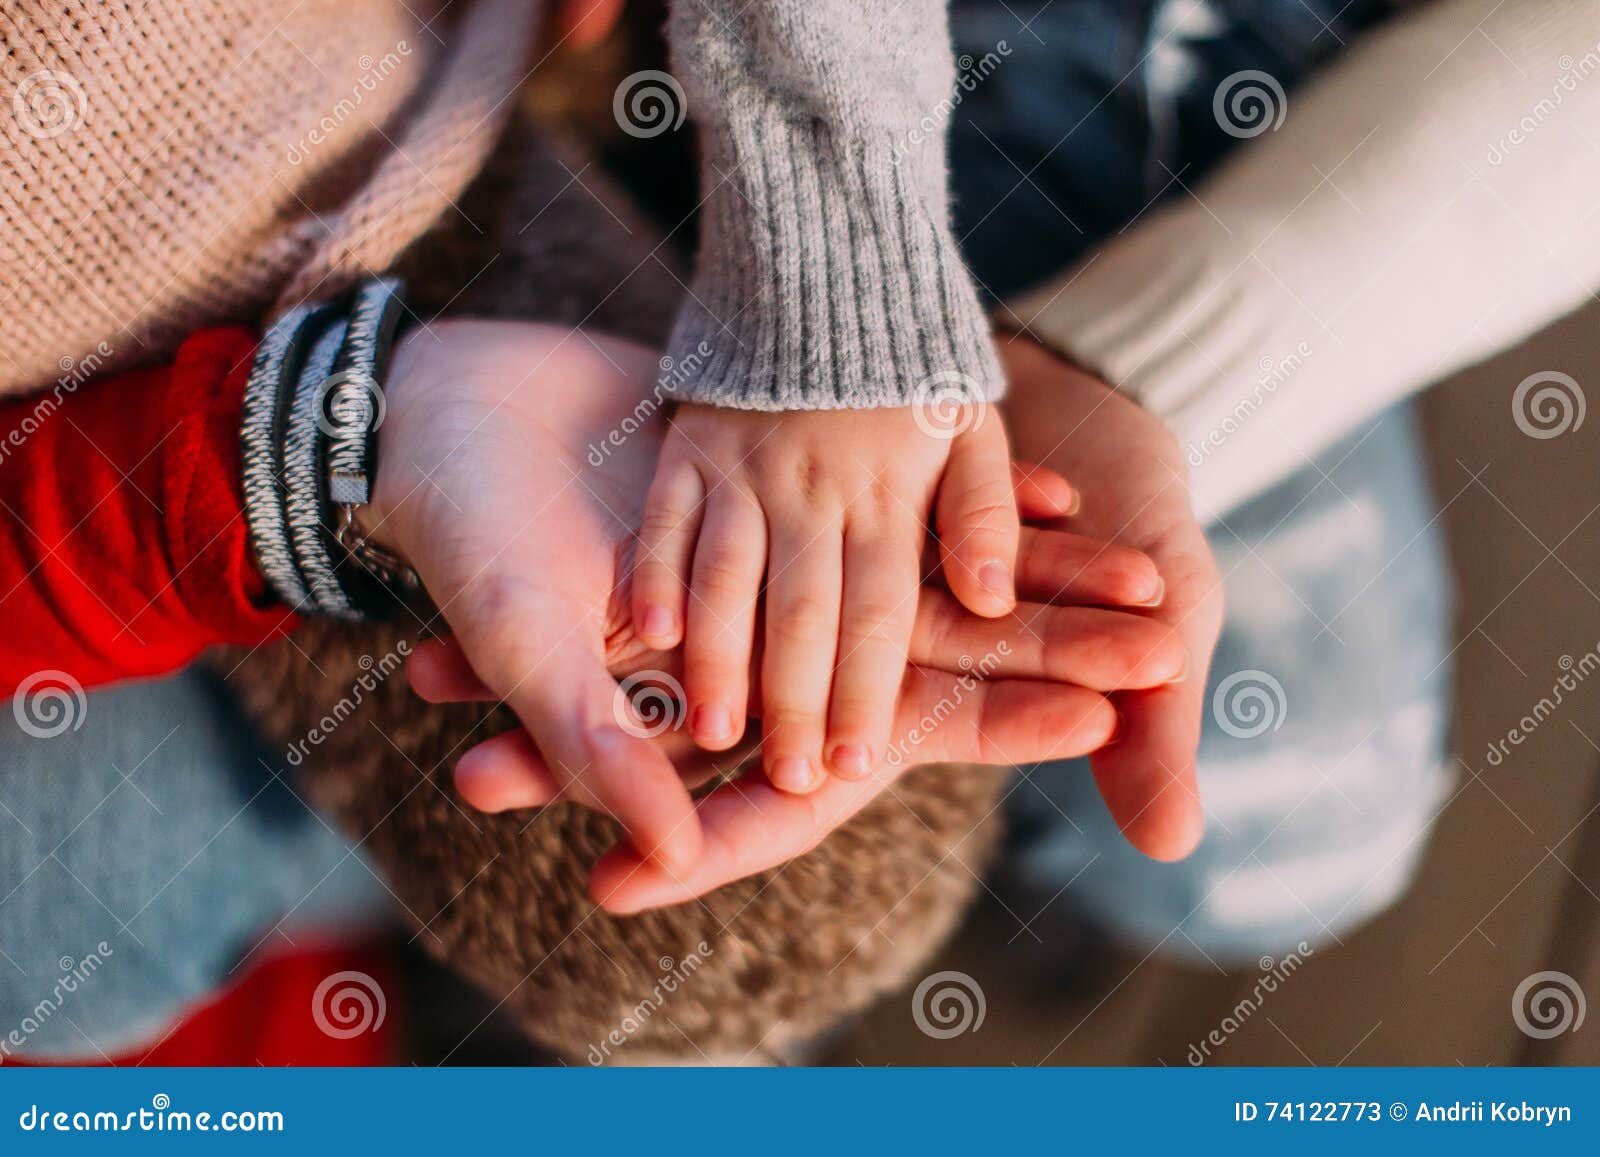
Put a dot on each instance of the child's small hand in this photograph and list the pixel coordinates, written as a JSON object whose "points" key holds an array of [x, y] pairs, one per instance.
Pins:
{"points": [[831, 508]]}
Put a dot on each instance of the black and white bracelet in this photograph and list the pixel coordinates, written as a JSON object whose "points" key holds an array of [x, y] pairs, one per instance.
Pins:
{"points": [[313, 405]]}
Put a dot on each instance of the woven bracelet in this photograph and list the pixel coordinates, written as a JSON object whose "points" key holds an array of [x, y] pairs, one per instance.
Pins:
{"points": [[312, 409]]}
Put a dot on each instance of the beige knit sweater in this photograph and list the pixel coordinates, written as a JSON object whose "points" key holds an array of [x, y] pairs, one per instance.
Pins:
{"points": [[174, 163], [167, 165], [1431, 199]]}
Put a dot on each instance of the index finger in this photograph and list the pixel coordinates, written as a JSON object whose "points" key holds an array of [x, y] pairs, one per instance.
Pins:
{"points": [[750, 826]]}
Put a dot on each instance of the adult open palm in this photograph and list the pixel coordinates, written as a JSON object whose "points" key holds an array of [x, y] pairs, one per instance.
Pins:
{"points": [[1132, 476]]}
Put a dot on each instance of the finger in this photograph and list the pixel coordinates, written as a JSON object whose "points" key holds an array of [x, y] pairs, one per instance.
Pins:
{"points": [[1055, 566], [875, 622], [439, 673], [538, 652], [729, 562], [1042, 493], [804, 586], [751, 827], [507, 772], [976, 518], [1147, 778], [1103, 650], [667, 534]]}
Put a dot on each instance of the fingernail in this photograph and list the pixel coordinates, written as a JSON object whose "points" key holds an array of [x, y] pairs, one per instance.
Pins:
{"points": [[792, 773], [474, 778], [1077, 503], [851, 759], [713, 721], [658, 623], [1155, 599], [1116, 731], [996, 578]]}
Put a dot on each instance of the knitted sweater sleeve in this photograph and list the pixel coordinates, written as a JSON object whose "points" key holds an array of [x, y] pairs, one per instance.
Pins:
{"points": [[1426, 202], [827, 275], [123, 546]]}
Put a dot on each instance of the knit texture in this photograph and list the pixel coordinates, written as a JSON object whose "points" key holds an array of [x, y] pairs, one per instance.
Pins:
{"points": [[1427, 202], [169, 164], [827, 275]]}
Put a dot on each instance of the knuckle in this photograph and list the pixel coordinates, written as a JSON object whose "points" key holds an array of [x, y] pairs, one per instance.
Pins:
{"points": [[722, 576], [809, 475], [793, 721], [876, 622], [857, 712], [661, 521], [806, 620]]}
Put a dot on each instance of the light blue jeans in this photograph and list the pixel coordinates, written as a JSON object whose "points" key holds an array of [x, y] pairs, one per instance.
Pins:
{"points": [[145, 850]]}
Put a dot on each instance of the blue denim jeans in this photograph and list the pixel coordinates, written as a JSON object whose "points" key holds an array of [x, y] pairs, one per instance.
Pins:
{"points": [[147, 846], [1324, 756]]}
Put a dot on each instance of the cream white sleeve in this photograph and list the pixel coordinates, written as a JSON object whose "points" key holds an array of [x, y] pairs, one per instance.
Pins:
{"points": [[1430, 199]]}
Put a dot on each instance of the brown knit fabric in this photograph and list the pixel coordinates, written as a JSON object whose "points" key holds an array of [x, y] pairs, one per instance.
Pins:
{"points": [[759, 966], [168, 164]]}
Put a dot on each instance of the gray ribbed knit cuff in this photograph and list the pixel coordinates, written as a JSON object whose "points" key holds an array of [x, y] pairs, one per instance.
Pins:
{"points": [[827, 276]]}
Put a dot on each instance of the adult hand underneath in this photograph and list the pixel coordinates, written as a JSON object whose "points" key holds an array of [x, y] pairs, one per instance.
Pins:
{"points": [[1134, 482], [487, 482], [513, 463]]}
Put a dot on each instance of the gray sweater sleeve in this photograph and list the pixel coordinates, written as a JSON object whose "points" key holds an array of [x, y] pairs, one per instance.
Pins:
{"points": [[827, 276]]}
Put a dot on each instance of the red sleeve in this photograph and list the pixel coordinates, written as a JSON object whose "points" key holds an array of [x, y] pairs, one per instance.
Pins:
{"points": [[123, 546]]}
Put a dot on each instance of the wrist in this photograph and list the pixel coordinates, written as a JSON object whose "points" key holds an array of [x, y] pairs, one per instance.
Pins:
{"points": [[380, 520]]}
